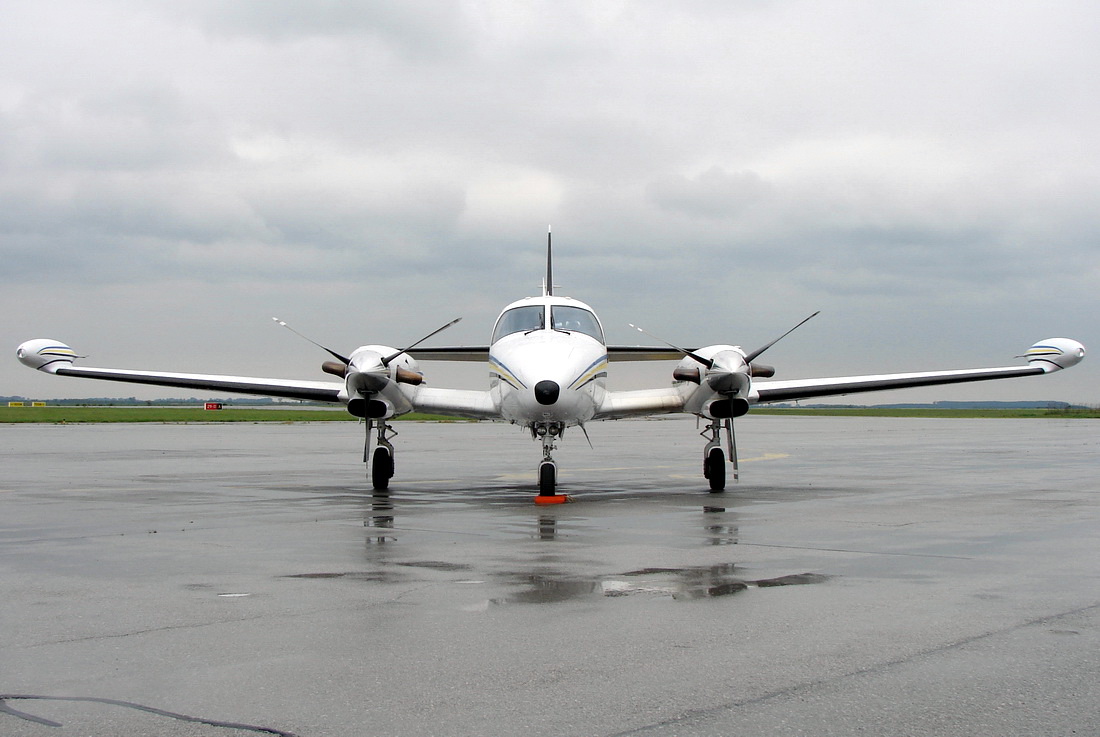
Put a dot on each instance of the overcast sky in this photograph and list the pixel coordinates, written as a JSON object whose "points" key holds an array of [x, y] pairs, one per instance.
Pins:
{"points": [[173, 174]]}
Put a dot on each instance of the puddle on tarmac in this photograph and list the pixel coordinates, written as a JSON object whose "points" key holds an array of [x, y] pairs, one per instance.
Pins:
{"points": [[551, 586], [679, 583], [368, 576], [436, 565]]}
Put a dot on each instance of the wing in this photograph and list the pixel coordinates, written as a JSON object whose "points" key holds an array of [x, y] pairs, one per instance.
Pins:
{"points": [[318, 391], [54, 357], [785, 391], [642, 353], [469, 403], [452, 353], [639, 403], [481, 353], [1046, 356]]}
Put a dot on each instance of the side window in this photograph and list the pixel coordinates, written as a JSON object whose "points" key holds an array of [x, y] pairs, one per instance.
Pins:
{"points": [[575, 319], [519, 320]]}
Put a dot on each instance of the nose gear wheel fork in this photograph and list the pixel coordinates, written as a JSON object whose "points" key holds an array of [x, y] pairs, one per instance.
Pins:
{"points": [[381, 466]]}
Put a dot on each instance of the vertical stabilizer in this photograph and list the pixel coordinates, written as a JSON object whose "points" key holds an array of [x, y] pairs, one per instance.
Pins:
{"points": [[548, 285]]}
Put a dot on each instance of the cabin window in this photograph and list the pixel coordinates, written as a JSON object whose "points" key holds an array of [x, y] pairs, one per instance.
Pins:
{"points": [[519, 320], [576, 320]]}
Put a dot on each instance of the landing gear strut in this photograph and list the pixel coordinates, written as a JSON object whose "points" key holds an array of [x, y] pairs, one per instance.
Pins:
{"points": [[714, 460], [381, 466]]}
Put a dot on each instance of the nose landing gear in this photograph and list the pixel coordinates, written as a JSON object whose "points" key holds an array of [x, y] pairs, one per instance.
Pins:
{"points": [[548, 433], [381, 465], [714, 460]]}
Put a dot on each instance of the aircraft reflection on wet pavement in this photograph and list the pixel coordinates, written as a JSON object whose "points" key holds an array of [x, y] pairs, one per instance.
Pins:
{"points": [[544, 583]]}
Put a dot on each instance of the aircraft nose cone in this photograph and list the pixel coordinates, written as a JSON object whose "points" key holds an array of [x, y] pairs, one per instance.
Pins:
{"points": [[546, 392]]}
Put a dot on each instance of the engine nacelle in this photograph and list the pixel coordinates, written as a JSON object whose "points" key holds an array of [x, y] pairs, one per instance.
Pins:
{"points": [[374, 390], [402, 368], [45, 354]]}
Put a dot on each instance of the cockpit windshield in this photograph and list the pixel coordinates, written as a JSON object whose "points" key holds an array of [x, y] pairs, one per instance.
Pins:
{"points": [[519, 320], [575, 319]]}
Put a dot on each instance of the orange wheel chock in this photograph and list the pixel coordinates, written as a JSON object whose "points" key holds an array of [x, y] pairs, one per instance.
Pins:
{"points": [[554, 499]]}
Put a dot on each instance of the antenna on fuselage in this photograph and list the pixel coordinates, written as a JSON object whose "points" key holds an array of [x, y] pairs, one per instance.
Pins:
{"points": [[548, 284]]}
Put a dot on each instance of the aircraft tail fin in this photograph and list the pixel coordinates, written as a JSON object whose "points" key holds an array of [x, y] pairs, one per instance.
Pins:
{"points": [[548, 284]]}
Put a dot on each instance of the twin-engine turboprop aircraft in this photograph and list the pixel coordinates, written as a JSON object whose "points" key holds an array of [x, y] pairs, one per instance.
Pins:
{"points": [[548, 366]]}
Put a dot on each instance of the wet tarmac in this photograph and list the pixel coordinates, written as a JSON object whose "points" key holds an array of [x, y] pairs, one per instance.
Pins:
{"points": [[880, 576]]}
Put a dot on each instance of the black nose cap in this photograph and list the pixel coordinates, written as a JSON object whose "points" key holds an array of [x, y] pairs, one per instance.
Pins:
{"points": [[546, 392]]}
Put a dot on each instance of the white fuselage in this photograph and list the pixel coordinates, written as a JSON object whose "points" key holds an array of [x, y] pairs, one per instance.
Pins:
{"points": [[547, 362]]}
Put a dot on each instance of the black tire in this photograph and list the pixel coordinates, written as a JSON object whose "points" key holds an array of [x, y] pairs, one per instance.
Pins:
{"points": [[547, 479], [715, 469], [381, 470]]}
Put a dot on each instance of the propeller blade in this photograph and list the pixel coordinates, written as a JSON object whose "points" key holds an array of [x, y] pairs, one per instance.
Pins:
{"points": [[334, 354], [705, 361], [387, 359], [750, 357]]}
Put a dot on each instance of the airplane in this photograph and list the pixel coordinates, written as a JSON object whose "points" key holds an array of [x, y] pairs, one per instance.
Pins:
{"points": [[548, 364]]}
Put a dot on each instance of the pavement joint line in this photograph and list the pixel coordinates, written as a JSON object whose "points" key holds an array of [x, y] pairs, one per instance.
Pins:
{"points": [[696, 716], [7, 709]]}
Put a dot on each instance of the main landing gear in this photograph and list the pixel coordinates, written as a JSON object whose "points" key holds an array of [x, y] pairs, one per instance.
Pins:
{"points": [[548, 433], [714, 460], [381, 465]]}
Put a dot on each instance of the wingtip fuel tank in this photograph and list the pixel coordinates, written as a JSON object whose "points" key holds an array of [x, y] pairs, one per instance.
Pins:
{"points": [[45, 354], [1054, 354]]}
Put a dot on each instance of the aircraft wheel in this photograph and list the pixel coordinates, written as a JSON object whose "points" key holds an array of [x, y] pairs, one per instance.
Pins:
{"points": [[547, 479], [715, 469], [381, 468]]}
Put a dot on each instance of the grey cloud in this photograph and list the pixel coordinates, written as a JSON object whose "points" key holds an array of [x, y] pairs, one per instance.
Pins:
{"points": [[710, 169], [146, 227], [715, 193], [417, 29]]}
